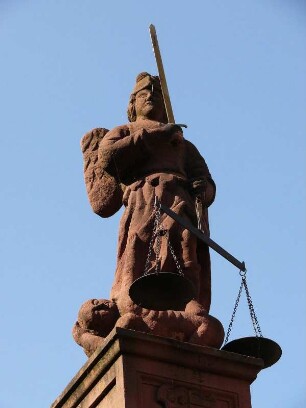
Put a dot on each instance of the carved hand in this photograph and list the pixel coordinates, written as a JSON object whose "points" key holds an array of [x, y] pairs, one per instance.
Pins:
{"points": [[169, 133], [205, 188], [198, 186]]}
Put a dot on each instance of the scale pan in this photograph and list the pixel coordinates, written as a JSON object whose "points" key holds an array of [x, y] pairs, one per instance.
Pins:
{"points": [[259, 347], [162, 291]]}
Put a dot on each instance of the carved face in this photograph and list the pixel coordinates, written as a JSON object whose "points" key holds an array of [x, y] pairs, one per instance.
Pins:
{"points": [[149, 104]]}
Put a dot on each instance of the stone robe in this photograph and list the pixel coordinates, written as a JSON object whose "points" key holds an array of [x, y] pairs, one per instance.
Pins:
{"points": [[148, 168]]}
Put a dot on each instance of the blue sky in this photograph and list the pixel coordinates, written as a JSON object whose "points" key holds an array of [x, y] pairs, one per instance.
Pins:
{"points": [[236, 76]]}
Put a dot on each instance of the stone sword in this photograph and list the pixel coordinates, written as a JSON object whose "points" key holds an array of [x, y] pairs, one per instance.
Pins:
{"points": [[162, 76]]}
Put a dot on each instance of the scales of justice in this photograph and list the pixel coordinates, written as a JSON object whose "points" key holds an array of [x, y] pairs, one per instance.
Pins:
{"points": [[162, 281]]}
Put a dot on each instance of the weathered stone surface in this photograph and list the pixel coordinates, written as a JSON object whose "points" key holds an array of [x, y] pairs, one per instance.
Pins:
{"points": [[136, 370], [97, 317], [104, 193], [131, 165]]}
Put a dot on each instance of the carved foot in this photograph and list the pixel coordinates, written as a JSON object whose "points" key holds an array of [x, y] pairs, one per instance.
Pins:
{"points": [[209, 333], [209, 330], [133, 322]]}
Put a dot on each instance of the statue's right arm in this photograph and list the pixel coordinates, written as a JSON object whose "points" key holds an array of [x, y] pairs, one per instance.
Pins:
{"points": [[121, 150]]}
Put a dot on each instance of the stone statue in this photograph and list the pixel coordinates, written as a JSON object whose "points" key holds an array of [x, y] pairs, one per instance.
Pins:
{"points": [[130, 165]]}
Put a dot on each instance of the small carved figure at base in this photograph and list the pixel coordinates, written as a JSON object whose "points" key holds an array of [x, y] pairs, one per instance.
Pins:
{"points": [[96, 319]]}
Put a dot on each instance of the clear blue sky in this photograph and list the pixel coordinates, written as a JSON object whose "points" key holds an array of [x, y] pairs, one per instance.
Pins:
{"points": [[237, 77]]}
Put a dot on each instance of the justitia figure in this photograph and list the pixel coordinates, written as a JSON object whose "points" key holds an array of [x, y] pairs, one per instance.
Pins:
{"points": [[131, 165]]}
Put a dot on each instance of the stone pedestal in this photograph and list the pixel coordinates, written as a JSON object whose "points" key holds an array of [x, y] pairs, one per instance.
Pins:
{"points": [[137, 370]]}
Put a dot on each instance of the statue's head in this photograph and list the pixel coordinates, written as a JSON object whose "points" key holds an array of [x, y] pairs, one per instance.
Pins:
{"points": [[146, 100]]}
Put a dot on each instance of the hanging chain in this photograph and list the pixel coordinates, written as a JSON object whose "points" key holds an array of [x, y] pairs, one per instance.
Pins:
{"points": [[199, 212], [158, 232], [147, 265], [254, 319], [154, 236], [234, 313], [177, 264], [255, 323]]}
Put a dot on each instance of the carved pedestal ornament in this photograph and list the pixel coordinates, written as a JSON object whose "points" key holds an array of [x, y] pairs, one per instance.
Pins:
{"points": [[181, 397]]}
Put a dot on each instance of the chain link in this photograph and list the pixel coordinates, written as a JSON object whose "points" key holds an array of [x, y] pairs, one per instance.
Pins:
{"points": [[199, 212], [234, 313], [177, 264], [154, 235], [147, 265], [254, 319], [158, 232]]}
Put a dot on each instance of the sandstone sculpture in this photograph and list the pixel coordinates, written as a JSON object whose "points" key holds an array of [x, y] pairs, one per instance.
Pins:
{"points": [[130, 165]]}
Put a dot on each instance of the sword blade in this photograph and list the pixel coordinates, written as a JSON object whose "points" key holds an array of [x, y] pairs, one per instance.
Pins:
{"points": [[161, 74]]}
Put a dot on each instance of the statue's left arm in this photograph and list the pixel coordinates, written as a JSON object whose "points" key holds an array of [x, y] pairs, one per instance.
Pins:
{"points": [[121, 151], [201, 182]]}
